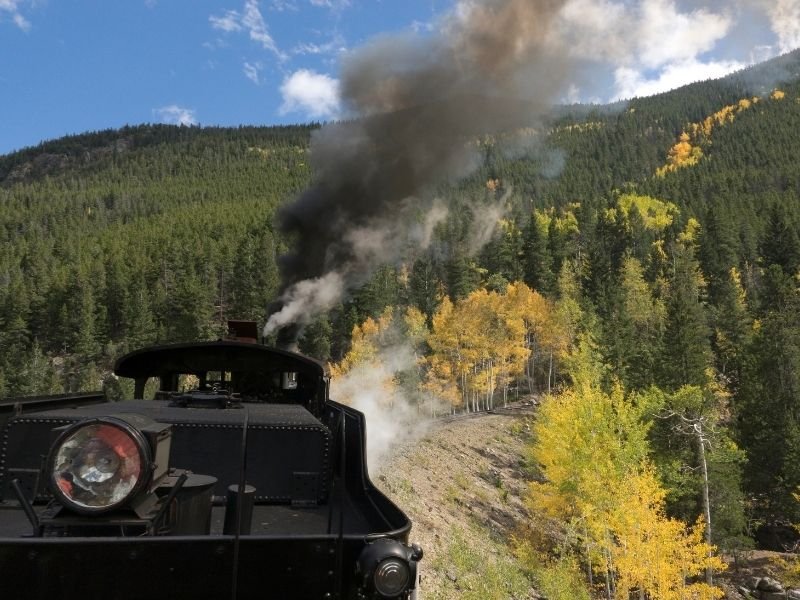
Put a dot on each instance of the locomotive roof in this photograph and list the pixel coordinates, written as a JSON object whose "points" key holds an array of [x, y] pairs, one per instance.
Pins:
{"points": [[222, 355]]}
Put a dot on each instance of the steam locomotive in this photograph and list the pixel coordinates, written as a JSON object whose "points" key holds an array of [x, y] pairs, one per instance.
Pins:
{"points": [[240, 478]]}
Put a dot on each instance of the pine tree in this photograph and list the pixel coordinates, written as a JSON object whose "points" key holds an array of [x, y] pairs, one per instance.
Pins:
{"points": [[635, 329], [316, 339], [768, 403], [687, 351], [780, 244], [538, 263], [425, 289]]}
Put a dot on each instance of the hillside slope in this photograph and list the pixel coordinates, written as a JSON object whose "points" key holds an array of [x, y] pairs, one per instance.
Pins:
{"points": [[462, 485]]}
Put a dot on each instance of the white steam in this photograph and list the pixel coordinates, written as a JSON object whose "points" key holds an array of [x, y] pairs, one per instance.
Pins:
{"points": [[306, 299], [392, 417]]}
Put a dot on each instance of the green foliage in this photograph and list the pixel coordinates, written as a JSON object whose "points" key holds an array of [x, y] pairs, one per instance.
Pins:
{"points": [[146, 234], [556, 578], [479, 573]]}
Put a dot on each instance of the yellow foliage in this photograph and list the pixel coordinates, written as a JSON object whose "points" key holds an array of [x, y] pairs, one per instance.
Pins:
{"points": [[777, 95], [689, 235], [587, 444], [688, 151], [483, 342], [365, 344], [543, 219], [581, 127], [416, 326], [682, 154], [656, 214], [566, 223], [262, 152], [648, 314], [492, 184], [658, 250], [655, 553], [592, 449]]}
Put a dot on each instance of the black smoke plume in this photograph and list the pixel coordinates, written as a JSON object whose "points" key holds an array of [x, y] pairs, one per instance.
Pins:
{"points": [[417, 105]]}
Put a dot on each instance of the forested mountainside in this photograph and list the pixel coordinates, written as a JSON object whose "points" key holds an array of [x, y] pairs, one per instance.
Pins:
{"points": [[652, 247]]}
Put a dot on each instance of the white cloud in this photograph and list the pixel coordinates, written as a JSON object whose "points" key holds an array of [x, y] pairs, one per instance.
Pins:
{"points": [[228, 22], [667, 36], [784, 16], [250, 20], [652, 33], [12, 9], [315, 94], [422, 26], [650, 45], [254, 23], [595, 30], [335, 46], [282, 5], [176, 115], [632, 83], [252, 71], [335, 4]]}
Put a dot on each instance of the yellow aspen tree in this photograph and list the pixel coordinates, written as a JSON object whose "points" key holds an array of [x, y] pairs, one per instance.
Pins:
{"points": [[653, 554], [474, 316], [592, 449], [511, 352], [656, 214], [363, 348], [416, 326], [445, 364], [367, 341], [538, 329]]}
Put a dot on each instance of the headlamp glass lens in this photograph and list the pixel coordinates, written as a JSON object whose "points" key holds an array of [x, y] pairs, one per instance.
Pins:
{"points": [[391, 577], [97, 466]]}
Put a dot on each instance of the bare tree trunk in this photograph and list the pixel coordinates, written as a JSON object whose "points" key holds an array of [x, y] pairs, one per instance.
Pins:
{"points": [[589, 574], [609, 575], [706, 502]]}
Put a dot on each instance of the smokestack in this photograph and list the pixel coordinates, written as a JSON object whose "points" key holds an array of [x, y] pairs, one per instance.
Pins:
{"points": [[418, 105]]}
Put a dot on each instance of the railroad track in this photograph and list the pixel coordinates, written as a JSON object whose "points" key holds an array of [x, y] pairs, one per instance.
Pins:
{"points": [[521, 407]]}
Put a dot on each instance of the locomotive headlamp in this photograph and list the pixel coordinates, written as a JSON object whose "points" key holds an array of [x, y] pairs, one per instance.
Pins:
{"points": [[389, 568], [391, 577], [105, 463]]}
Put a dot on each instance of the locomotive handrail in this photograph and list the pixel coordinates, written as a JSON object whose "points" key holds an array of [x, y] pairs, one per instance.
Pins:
{"points": [[8, 403]]}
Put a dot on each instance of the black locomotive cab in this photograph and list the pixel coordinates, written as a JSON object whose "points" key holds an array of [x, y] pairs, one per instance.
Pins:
{"points": [[229, 474]]}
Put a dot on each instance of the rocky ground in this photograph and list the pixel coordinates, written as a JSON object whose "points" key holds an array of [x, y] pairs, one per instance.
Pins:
{"points": [[463, 482]]}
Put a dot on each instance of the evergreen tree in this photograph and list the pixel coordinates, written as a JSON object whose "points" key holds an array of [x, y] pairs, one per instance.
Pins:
{"points": [[780, 244], [538, 263], [316, 339], [687, 351], [635, 328], [768, 406], [425, 289]]}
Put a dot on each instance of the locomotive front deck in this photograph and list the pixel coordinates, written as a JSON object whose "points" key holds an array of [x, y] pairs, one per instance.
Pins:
{"points": [[309, 523]]}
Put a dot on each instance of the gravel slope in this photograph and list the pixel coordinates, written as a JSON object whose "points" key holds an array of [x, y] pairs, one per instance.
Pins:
{"points": [[462, 484]]}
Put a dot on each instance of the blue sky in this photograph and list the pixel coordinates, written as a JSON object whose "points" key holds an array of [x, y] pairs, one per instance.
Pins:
{"points": [[69, 66]]}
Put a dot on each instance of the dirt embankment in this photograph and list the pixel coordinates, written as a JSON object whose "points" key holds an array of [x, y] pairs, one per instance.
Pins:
{"points": [[462, 484]]}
